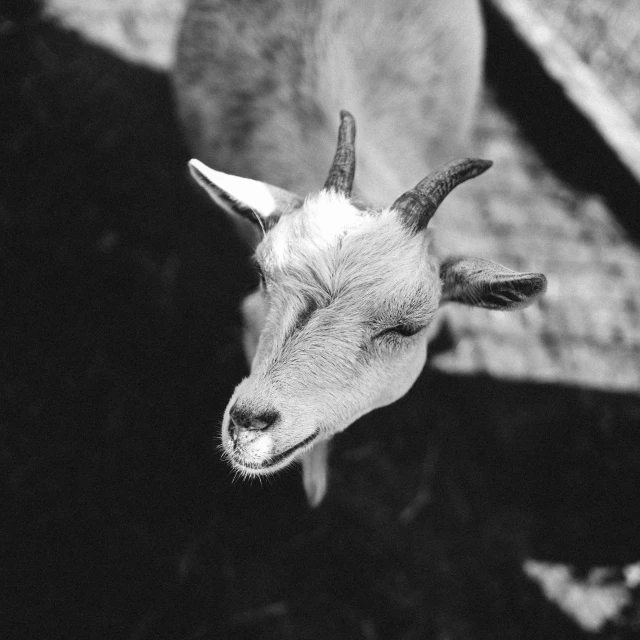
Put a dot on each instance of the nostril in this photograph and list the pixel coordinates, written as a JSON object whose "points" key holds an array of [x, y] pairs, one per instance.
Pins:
{"points": [[251, 421]]}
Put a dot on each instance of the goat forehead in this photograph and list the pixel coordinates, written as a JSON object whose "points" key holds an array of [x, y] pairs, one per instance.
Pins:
{"points": [[317, 227], [335, 246]]}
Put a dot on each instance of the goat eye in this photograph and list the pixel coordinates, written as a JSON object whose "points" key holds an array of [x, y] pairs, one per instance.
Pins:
{"points": [[402, 330]]}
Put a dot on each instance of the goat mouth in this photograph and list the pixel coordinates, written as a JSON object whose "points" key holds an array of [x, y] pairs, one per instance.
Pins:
{"points": [[276, 461]]}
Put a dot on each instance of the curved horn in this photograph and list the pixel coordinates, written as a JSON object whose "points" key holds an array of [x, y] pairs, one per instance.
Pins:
{"points": [[343, 167], [417, 206]]}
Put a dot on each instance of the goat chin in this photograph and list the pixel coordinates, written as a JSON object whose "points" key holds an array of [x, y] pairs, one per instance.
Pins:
{"points": [[260, 458]]}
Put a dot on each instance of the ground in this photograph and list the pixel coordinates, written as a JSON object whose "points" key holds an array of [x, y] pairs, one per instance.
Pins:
{"points": [[120, 348]]}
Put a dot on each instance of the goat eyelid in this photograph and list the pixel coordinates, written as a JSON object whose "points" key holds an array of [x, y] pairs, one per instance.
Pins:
{"points": [[401, 330]]}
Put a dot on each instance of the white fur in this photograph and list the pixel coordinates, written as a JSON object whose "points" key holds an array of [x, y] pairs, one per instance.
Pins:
{"points": [[326, 375], [255, 195]]}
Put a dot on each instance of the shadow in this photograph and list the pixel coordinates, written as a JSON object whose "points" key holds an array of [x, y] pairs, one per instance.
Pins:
{"points": [[567, 142], [119, 345], [434, 504], [118, 334]]}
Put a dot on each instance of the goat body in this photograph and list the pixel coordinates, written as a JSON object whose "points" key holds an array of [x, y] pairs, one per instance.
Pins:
{"points": [[260, 85], [349, 284]]}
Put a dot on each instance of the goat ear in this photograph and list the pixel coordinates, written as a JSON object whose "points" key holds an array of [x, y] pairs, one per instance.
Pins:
{"points": [[260, 203], [481, 283]]}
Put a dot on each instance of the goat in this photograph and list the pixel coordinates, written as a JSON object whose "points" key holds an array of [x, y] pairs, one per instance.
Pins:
{"points": [[338, 325]]}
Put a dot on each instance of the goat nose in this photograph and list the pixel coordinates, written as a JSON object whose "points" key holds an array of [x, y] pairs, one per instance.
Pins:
{"points": [[251, 421]]}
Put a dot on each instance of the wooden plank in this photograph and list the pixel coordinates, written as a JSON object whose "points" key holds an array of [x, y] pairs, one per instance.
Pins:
{"points": [[143, 31], [581, 85]]}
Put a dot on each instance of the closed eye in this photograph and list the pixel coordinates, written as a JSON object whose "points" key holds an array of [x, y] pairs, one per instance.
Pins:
{"points": [[401, 330]]}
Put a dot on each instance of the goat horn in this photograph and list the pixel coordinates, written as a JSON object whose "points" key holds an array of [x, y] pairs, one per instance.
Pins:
{"points": [[417, 206], [343, 167]]}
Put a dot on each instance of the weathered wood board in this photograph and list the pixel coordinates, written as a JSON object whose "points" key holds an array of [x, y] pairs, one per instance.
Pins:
{"points": [[140, 30], [584, 87]]}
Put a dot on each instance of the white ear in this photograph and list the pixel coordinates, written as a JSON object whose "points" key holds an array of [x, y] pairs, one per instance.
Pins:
{"points": [[482, 283], [259, 202]]}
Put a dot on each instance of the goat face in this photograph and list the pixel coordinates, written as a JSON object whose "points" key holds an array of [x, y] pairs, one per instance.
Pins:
{"points": [[337, 327], [347, 296]]}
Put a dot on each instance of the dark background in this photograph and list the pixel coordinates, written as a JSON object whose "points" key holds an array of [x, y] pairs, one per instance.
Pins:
{"points": [[119, 333]]}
